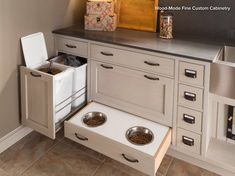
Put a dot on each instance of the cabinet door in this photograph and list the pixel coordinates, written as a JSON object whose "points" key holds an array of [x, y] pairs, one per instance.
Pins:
{"points": [[140, 93], [37, 102]]}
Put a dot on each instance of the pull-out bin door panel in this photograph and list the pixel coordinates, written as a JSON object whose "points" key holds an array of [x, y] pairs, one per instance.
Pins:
{"points": [[37, 101]]}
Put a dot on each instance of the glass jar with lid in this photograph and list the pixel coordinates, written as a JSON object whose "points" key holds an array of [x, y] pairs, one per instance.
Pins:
{"points": [[166, 25]]}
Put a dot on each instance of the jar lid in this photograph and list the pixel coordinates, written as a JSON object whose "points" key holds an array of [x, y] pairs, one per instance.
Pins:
{"points": [[166, 14]]}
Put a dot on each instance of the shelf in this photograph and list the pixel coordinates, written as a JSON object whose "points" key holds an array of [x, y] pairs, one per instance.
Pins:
{"points": [[222, 153]]}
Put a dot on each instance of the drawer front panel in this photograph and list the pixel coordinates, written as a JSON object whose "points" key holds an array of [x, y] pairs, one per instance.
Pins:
{"points": [[114, 150], [75, 47], [189, 119], [190, 97], [191, 73], [146, 62], [147, 95], [190, 141]]}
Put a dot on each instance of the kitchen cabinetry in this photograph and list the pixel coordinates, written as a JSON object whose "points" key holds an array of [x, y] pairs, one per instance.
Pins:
{"points": [[129, 55], [159, 88], [191, 102]]}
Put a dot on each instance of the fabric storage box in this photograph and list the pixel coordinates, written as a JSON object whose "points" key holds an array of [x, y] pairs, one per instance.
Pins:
{"points": [[44, 95], [100, 7], [79, 66], [101, 22]]}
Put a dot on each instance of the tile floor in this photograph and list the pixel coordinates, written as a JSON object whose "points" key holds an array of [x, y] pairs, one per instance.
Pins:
{"points": [[36, 155]]}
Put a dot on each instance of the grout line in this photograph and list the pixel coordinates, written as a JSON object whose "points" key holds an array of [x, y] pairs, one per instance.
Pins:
{"points": [[96, 170], [5, 172], [169, 166], [86, 153], [40, 157]]}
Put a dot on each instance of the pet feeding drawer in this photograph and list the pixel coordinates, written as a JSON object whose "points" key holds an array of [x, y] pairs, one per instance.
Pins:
{"points": [[111, 137]]}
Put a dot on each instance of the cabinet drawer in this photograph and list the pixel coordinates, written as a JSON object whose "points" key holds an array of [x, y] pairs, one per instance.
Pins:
{"points": [[187, 140], [146, 62], [192, 74], [189, 119], [78, 48], [114, 144], [190, 97], [109, 148], [140, 93]]}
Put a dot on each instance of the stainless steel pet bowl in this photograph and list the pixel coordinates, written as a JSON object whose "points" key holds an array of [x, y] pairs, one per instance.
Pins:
{"points": [[94, 119], [139, 135]]}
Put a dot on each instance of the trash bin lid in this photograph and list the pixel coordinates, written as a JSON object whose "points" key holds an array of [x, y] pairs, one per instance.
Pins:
{"points": [[34, 49]]}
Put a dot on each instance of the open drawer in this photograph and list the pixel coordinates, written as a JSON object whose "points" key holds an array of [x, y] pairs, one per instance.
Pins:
{"points": [[110, 138]]}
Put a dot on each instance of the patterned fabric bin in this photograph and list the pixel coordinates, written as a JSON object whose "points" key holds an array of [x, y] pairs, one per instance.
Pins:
{"points": [[101, 22], [100, 7]]}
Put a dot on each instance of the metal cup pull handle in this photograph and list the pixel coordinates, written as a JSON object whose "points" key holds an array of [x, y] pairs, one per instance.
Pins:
{"points": [[190, 73], [129, 160], [35, 75], [189, 119], [190, 96], [188, 141], [81, 138]]}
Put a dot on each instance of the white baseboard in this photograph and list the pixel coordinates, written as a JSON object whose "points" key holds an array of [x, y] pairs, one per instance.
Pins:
{"points": [[200, 163], [13, 137]]}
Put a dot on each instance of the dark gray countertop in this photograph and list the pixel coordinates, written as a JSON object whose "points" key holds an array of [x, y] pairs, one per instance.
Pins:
{"points": [[193, 48]]}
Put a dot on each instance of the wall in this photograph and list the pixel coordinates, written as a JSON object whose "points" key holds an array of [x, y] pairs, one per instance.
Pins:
{"points": [[19, 18], [210, 24]]}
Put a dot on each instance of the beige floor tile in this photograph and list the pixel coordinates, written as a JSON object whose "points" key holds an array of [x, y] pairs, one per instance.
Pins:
{"points": [[109, 170], [123, 167], [52, 165], [166, 162], [88, 151], [181, 168], [3, 173], [24, 153]]}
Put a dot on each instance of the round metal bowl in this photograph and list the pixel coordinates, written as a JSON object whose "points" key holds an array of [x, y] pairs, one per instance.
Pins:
{"points": [[139, 135], [94, 119]]}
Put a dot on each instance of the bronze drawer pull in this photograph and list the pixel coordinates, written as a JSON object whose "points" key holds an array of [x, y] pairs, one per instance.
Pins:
{"points": [[190, 96], [105, 66], [71, 46], [35, 75], [81, 138], [188, 141], [106, 54], [151, 63], [189, 119], [151, 78], [130, 160], [190, 73]]}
